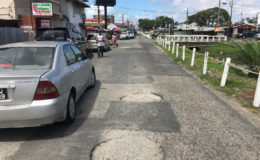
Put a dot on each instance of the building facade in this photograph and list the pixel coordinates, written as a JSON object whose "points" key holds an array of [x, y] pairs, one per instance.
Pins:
{"points": [[65, 13]]}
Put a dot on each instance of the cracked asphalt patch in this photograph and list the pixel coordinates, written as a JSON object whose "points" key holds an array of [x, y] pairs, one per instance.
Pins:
{"points": [[128, 147]]}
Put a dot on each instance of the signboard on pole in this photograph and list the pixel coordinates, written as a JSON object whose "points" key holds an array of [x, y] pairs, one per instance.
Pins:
{"points": [[42, 9], [106, 2]]}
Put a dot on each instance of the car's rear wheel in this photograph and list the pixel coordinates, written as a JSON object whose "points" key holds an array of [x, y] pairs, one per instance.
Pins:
{"points": [[92, 82], [71, 109]]}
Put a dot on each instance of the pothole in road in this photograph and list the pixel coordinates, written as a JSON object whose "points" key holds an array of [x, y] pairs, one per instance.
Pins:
{"points": [[149, 97], [128, 147]]}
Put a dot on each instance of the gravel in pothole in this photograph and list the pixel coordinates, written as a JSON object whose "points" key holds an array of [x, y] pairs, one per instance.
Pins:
{"points": [[148, 97]]}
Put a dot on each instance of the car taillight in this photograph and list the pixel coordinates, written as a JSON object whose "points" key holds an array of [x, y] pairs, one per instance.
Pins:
{"points": [[86, 41], [46, 90]]}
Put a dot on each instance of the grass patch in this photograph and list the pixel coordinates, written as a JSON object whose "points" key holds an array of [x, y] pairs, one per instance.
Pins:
{"points": [[238, 85]]}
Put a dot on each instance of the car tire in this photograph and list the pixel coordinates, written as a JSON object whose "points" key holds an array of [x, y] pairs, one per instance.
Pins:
{"points": [[92, 81], [71, 109]]}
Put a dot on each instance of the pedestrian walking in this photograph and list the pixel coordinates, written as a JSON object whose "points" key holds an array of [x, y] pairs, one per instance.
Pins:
{"points": [[101, 43], [114, 39]]}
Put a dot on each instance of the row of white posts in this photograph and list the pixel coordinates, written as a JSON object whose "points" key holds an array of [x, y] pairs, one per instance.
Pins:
{"points": [[164, 43], [194, 38]]}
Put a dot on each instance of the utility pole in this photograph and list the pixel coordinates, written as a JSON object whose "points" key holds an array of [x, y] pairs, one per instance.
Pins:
{"points": [[123, 18], [187, 13], [105, 16], [30, 5], [257, 20], [231, 6], [241, 17], [99, 18], [219, 12]]}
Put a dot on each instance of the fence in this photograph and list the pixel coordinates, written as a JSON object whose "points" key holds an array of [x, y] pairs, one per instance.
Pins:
{"points": [[12, 35], [164, 43], [193, 38]]}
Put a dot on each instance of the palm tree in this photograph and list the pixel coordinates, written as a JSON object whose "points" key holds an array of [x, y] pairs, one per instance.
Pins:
{"points": [[249, 53]]}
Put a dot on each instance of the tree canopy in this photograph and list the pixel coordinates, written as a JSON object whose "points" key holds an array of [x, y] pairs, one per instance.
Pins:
{"points": [[148, 24], [209, 17]]}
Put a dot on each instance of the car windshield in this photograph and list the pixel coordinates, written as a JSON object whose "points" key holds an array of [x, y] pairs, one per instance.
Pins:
{"points": [[51, 35], [25, 58]]}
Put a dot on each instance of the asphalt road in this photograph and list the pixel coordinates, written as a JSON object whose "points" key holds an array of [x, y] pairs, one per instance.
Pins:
{"points": [[143, 107]]}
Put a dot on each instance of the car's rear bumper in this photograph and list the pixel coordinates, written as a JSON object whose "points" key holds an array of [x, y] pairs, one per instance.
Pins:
{"points": [[36, 114]]}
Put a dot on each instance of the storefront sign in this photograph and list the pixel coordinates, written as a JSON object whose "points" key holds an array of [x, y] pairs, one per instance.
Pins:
{"points": [[45, 23], [42, 9]]}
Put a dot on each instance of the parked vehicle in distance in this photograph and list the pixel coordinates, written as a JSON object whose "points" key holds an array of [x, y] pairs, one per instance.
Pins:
{"points": [[92, 42], [249, 34], [63, 35], [257, 36], [132, 35], [123, 36], [42, 82]]}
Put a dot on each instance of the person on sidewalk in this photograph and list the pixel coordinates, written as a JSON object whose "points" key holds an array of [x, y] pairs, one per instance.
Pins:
{"points": [[114, 39], [101, 43]]}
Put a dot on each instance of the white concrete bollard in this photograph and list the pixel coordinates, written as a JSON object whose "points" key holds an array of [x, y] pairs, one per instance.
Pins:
{"points": [[183, 53], [225, 73], [205, 66], [169, 47], [177, 50], [208, 39], [173, 47], [213, 40], [257, 93], [219, 39], [193, 57]]}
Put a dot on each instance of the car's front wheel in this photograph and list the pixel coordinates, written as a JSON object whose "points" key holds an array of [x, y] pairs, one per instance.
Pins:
{"points": [[71, 109]]}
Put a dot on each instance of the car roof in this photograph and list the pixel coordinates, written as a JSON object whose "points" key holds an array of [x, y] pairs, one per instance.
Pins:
{"points": [[33, 44]]}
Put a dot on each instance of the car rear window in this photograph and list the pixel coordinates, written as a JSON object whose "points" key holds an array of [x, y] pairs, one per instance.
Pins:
{"points": [[51, 35], [26, 58], [91, 37]]}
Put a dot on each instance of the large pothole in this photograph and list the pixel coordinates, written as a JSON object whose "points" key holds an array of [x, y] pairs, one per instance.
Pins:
{"points": [[128, 147], [149, 97]]}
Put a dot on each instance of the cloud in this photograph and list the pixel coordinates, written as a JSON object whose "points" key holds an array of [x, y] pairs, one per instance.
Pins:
{"points": [[249, 7]]}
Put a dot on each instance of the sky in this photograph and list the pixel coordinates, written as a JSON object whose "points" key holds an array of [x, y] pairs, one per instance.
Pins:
{"points": [[135, 9]]}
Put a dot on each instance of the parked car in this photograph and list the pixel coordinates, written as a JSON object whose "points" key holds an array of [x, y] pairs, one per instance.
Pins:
{"points": [[249, 34], [257, 36], [63, 35], [132, 35], [42, 82], [123, 36], [92, 43]]}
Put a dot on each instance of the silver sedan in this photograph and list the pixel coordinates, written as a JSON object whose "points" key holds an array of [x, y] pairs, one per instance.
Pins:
{"points": [[40, 82]]}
